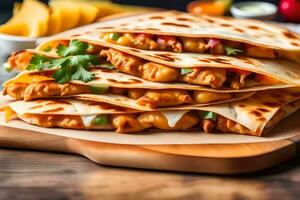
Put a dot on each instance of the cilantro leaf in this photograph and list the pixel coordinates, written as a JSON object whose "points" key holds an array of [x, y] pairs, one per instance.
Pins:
{"points": [[184, 71], [75, 48], [82, 74], [72, 66], [62, 75], [56, 62], [37, 62], [208, 115], [81, 64], [231, 51]]}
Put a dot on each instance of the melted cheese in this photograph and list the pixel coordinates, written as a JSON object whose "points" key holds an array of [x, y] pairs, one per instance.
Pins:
{"points": [[28, 78], [9, 113], [88, 119], [173, 116], [80, 107]]}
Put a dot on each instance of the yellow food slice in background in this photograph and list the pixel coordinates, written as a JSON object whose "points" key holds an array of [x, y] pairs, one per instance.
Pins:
{"points": [[54, 25], [88, 13], [108, 8], [17, 7], [105, 8], [20, 29], [69, 14], [32, 16]]}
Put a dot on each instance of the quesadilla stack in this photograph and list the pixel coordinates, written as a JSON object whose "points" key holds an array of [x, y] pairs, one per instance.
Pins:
{"points": [[165, 71], [253, 116]]}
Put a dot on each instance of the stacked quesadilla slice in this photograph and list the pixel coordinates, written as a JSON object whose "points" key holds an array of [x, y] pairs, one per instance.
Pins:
{"points": [[91, 81], [179, 32], [254, 116]]}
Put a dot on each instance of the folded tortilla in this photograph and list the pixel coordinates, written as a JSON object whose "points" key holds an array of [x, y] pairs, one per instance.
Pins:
{"points": [[254, 116], [30, 85], [181, 32], [213, 72]]}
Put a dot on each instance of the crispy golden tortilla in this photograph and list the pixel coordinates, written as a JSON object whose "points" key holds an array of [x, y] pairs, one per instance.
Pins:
{"points": [[278, 69], [256, 38], [183, 24], [255, 115]]}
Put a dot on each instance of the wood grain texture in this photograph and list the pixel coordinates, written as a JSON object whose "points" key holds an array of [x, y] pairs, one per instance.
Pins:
{"points": [[28, 175]]}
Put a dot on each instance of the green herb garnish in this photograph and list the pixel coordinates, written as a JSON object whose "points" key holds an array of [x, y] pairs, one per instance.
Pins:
{"points": [[101, 120], [73, 65], [231, 51], [100, 89], [114, 36], [208, 115], [75, 48], [38, 62], [184, 71]]}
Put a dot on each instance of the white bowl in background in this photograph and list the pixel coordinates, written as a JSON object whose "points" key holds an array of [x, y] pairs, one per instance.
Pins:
{"points": [[254, 10], [11, 43]]}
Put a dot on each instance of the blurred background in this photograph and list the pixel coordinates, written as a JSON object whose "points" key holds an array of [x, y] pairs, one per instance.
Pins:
{"points": [[6, 6]]}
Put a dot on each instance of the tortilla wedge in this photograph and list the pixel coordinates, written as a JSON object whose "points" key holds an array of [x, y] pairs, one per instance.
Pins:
{"points": [[278, 69], [255, 33], [254, 116], [226, 73], [30, 85]]}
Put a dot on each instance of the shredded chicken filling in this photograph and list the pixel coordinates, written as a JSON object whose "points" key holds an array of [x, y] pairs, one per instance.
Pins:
{"points": [[207, 76], [128, 123], [146, 97], [185, 44]]}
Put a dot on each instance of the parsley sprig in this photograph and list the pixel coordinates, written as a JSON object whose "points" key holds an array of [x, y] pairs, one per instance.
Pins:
{"points": [[231, 51], [73, 64]]}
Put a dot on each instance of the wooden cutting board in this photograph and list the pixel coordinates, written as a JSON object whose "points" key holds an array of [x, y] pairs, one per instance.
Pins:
{"points": [[204, 158]]}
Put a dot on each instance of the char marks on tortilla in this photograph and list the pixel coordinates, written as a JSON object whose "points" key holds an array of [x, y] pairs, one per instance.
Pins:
{"points": [[183, 24]]}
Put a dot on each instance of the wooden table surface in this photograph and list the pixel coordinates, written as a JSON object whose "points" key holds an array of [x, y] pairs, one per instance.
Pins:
{"points": [[40, 175]]}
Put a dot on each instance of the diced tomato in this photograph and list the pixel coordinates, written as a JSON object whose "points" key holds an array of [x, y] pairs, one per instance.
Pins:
{"points": [[266, 79], [213, 42], [197, 69], [166, 38], [239, 71], [145, 35]]}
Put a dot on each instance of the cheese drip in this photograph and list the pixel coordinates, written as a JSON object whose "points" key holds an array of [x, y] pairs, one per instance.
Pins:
{"points": [[87, 120], [173, 116], [81, 108]]}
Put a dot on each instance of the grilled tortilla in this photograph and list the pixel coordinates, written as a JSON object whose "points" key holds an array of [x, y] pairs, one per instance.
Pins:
{"points": [[29, 85], [181, 32], [254, 116], [216, 72]]}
